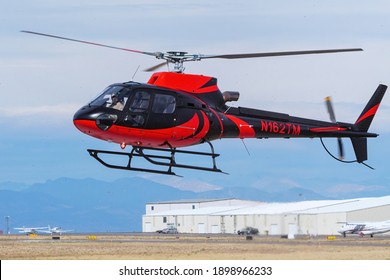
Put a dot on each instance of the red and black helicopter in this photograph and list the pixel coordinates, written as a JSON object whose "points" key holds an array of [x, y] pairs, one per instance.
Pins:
{"points": [[175, 110]]}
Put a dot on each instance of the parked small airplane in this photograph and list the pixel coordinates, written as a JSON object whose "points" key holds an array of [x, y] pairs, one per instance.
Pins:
{"points": [[365, 228], [30, 230], [55, 230]]}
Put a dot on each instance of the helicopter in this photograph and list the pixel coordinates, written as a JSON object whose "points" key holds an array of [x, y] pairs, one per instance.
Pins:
{"points": [[174, 110]]}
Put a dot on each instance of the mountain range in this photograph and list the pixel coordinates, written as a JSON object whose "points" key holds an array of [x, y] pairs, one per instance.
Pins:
{"points": [[89, 205]]}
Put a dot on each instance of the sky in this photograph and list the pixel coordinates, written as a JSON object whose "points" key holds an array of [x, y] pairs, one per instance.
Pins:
{"points": [[44, 81]]}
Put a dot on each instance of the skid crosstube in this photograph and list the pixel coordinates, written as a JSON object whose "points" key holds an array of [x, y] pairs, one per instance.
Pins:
{"points": [[160, 159]]}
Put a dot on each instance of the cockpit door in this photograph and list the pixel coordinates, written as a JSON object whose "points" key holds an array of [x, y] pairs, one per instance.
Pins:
{"points": [[137, 112], [163, 110]]}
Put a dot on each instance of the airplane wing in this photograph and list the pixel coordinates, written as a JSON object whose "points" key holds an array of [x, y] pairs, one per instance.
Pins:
{"points": [[30, 228], [45, 231], [56, 230], [62, 231]]}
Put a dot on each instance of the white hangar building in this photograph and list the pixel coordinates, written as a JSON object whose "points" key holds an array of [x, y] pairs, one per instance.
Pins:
{"points": [[322, 217]]}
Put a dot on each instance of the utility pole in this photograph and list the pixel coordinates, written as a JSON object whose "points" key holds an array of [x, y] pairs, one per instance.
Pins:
{"points": [[7, 224]]}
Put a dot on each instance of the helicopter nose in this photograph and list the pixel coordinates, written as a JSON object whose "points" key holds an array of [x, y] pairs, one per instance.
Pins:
{"points": [[85, 120], [90, 121], [105, 121]]}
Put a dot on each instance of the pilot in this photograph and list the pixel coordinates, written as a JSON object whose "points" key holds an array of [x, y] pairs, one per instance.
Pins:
{"points": [[116, 103]]}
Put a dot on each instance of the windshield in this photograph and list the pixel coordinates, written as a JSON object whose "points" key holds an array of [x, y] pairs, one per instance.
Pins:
{"points": [[112, 97]]}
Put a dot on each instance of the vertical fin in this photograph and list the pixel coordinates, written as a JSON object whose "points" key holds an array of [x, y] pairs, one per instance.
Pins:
{"points": [[360, 148], [364, 121]]}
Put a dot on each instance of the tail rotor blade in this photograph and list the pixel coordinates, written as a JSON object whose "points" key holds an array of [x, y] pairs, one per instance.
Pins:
{"points": [[341, 148], [329, 106], [332, 116]]}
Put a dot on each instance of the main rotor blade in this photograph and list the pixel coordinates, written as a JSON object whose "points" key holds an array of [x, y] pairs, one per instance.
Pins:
{"points": [[155, 67], [252, 55], [199, 57], [90, 43]]}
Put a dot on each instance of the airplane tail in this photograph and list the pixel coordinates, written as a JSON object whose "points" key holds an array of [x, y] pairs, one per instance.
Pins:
{"points": [[364, 121]]}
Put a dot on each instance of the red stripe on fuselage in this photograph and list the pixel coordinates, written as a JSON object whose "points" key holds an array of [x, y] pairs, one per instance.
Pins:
{"points": [[246, 130], [185, 82], [327, 129], [178, 136]]}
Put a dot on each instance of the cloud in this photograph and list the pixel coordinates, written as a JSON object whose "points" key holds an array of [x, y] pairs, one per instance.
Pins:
{"points": [[44, 110], [341, 189], [46, 115]]}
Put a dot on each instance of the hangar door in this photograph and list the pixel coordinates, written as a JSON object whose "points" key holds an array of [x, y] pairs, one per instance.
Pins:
{"points": [[275, 229], [148, 227], [215, 229], [201, 228], [292, 230]]}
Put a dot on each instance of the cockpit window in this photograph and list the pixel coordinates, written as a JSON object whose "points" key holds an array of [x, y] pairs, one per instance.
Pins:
{"points": [[140, 102], [112, 97], [163, 104]]}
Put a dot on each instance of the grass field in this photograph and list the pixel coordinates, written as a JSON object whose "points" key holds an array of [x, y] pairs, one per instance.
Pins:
{"points": [[191, 247]]}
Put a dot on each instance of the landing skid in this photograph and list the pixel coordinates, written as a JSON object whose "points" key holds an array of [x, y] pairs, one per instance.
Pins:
{"points": [[156, 156]]}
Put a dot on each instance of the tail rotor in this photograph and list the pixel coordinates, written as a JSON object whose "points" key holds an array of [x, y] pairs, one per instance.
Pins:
{"points": [[332, 116], [359, 130]]}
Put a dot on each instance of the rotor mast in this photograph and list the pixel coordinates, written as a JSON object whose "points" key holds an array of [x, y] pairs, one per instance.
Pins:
{"points": [[177, 58]]}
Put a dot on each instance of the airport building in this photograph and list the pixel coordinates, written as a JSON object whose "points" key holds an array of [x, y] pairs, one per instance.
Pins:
{"points": [[322, 217]]}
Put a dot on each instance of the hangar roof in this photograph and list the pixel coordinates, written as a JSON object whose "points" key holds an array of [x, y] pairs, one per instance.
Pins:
{"points": [[198, 211], [351, 205], [302, 207], [280, 208], [194, 200]]}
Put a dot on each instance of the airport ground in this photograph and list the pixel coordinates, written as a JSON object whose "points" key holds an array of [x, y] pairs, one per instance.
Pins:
{"points": [[138, 246]]}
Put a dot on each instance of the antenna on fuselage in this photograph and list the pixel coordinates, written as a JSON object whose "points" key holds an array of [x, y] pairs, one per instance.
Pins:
{"points": [[246, 148], [136, 71]]}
